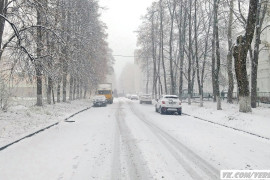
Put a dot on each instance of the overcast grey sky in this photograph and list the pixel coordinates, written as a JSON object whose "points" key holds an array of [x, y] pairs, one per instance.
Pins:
{"points": [[123, 18]]}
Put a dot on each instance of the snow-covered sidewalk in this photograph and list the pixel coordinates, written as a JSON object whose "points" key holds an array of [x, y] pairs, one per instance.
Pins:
{"points": [[23, 117], [257, 122]]}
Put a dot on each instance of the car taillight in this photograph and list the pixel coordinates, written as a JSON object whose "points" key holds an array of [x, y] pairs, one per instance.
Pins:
{"points": [[163, 102]]}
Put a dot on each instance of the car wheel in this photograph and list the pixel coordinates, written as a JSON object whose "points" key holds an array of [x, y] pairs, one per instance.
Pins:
{"points": [[160, 110]]}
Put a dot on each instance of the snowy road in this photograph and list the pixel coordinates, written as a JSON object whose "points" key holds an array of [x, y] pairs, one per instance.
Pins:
{"points": [[127, 140]]}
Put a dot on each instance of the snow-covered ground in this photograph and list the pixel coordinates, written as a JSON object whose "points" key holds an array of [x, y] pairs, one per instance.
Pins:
{"points": [[128, 140], [23, 117], [257, 122]]}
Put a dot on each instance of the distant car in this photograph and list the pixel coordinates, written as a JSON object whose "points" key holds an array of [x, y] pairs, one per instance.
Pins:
{"points": [[99, 101], [128, 96], [169, 104], [145, 98], [134, 97]]}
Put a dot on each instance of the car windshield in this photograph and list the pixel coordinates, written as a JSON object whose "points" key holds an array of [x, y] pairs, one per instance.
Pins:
{"points": [[104, 92]]}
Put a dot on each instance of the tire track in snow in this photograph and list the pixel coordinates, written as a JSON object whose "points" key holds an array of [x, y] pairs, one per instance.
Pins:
{"points": [[116, 163], [137, 168], [190, 161]]}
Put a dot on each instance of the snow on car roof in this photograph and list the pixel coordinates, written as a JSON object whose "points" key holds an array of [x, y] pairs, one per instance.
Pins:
{"points": [[170, 96]]}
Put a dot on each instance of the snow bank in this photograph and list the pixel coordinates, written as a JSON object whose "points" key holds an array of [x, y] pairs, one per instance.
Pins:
{"points": [[23, 118], [257, 122]]}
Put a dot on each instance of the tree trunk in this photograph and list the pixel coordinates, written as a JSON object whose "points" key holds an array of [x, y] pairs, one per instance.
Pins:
{"points": [[85, 92], [78, 89], [172, 13], [183, 42], [39, 85], [70, 88], [58, 90], [65, 82], [49, 90], [50, 47], [154, 91], [147, 80], [254, 61], [193, 76], [162, 47], [216, 4], [219, 103], [38, 63], [81, 89], [196, 53], [229, 56], [74, 87], [240, 54], [189, 54], [201, 100], [204, 59], [213, 67], [53, 95], [65, 52]]}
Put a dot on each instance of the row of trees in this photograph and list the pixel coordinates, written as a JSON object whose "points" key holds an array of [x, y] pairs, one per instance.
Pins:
{"points": [[184, 42], [57, 43]]}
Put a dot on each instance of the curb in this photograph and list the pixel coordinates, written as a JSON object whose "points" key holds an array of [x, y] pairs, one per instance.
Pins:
{"points": [[236, 129], [77, 113], [41, 130]]}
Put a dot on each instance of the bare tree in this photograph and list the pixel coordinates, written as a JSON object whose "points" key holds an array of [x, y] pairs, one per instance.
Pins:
{"points": [[260, 15], [189, 53], [3, 11], [217, 48], [56, 46], [229, 55], [240, 54]]}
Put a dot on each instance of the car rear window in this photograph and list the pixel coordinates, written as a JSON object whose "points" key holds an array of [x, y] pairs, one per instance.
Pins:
{"points": [[171, 97]]}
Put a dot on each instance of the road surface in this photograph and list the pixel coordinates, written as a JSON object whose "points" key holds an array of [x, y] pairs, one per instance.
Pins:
{"points": [[128, 140]]}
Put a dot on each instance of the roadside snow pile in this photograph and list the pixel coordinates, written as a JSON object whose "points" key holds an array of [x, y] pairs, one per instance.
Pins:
{"points": [[23, 118], [257, 122]]}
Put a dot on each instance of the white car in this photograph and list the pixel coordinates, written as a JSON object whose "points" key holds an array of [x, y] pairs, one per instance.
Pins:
{"points": [[169, 104], [99, 100], [145, 98], [134, 97]]}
